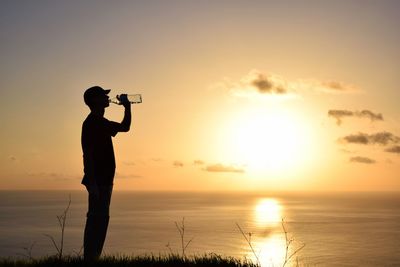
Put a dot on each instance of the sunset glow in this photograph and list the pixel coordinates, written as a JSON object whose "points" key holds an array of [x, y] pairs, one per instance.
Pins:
{"points": [[236, 95], [263, 127], [266, 140]]}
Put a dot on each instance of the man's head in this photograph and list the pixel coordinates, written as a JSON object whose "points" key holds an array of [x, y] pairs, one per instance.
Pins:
{"points": [[96, 97]]}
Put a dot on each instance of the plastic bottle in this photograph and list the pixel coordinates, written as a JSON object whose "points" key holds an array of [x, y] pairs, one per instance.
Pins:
{"points": [[133, 99]]}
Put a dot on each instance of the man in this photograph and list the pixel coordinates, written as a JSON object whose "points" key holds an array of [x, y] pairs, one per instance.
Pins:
{"points": [[99, 165]]}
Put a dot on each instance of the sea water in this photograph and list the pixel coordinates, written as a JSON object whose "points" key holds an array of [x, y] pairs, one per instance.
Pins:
{"points": [[330, 229]]}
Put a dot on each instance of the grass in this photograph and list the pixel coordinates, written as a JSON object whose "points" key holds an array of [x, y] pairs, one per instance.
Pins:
{"points": [[61, 221], [145, 260]]}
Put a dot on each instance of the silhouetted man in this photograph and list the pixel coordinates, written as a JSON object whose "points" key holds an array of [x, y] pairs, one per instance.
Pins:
{"points": [[99, 165]]}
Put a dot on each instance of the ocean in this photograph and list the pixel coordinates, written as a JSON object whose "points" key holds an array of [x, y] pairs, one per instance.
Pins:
{"points": [[330, 229]]}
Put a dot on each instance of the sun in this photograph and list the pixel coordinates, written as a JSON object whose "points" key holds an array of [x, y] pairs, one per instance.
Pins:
{"points": [[264, 140]]}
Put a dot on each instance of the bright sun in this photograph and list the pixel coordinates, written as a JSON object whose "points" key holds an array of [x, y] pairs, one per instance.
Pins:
{"points": [[265, 140]]}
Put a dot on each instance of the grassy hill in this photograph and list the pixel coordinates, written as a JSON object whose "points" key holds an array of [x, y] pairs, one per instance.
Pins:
{"points": [[122, 261]]}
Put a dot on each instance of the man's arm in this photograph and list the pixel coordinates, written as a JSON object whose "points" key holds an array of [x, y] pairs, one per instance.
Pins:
{"points": [[89, 172], [89, 166], [88, 160], [126, 121]]}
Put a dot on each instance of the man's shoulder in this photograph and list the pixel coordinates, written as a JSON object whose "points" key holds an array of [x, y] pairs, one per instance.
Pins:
{"points": [[90, 122], [92, 119], [96, 122]]}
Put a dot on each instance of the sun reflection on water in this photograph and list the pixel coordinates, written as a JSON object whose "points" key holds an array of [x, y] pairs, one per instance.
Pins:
{"points": [[272, 250], [268, 212], [268, 241]]}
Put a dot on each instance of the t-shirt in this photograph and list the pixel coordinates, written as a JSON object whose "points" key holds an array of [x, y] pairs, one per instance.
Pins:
{"points": [[97, 143]]}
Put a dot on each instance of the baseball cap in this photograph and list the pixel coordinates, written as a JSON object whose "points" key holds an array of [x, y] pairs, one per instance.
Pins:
{"points": [[94, 92]]}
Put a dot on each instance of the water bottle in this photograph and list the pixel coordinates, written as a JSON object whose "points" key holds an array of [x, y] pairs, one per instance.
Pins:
{"points": [[133, 99]]}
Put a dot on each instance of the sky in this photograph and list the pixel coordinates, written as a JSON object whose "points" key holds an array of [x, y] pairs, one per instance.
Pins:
{"points": [[237, 95]]}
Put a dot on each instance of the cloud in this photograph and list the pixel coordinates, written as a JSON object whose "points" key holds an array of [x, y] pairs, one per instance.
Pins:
{"points": [[339, 114], [54, 176], [258, 83], [394, 149], [388, 161], [268, 83], [335, 87], [369, 114], [381, 138], [362, 160], [223, 168], [13, 158], [127, 176], [45, 174], [198, 162], [347, 151], [360, 138], [178, 163], [129, 163]]}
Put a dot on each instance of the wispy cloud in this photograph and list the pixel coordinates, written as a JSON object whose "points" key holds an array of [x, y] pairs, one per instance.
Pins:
{"points": [[54, 176], [127, 176], [45, 174], [223, 168], [347, 151], [334, 87], [381, 138], [129, 163], [12, 158], [393, 149], [364, 160], [198, 162], [339, 114], [257, 83], [178, 163]]}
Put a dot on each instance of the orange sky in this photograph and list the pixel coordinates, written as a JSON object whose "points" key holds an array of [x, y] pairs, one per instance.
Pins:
{"points": [[235, 95]]}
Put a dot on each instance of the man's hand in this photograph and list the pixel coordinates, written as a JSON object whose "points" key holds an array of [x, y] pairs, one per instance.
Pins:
{"points": [[123, 99]]}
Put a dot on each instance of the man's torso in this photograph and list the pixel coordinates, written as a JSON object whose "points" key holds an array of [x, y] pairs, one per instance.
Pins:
{"points": [[97, 144]]}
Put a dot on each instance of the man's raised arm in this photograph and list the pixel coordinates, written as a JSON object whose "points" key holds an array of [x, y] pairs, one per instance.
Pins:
{"points": [[126, 121]]}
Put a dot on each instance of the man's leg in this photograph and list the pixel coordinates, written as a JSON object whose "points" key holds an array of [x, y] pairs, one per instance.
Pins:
{"points": [[104, 216], [89, 239], [97, 223]]}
